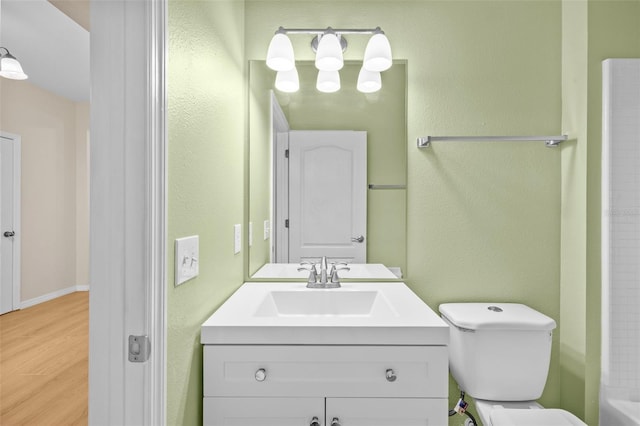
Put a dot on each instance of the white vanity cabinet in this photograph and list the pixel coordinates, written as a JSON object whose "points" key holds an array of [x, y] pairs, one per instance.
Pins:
{"points": [[367, 353], [357, 385]]}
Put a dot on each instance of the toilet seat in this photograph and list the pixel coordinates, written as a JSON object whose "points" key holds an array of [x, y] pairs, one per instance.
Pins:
{"points": [[525, 417], [523, 413]]}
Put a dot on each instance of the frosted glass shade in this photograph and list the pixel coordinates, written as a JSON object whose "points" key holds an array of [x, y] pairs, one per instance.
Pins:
{"points": [[329, 54], [328, 81], [280, 53], [369, 81], [288, 81], [377, 55], [10, 68]]}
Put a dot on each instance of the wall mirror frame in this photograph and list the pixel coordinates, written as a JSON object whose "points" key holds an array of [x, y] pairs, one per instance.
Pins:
{"points": [[383, 115]]}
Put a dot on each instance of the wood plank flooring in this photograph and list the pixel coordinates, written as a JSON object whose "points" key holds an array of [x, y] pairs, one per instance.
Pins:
{"points": [[44, 363]]}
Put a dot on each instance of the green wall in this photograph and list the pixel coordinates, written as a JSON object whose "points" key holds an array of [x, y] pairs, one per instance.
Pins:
{"points": [[592, 31], [206, 125], [485, 222]]}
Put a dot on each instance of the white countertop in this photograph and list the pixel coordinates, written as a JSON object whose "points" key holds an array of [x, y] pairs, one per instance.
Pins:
{"points": [[396, 317], [356, 271]]}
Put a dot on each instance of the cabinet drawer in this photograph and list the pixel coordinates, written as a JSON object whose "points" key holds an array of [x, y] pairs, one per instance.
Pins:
{"points": [[388, 411], [262, 411], [326, 371]]}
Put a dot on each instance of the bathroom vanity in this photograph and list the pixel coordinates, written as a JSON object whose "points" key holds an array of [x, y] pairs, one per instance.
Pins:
{"points": [[362, 354]]}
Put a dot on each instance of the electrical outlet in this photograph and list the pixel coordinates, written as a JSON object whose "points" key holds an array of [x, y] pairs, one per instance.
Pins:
{"points": [[187, 254]]}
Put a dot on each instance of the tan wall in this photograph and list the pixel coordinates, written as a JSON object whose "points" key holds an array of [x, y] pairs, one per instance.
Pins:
{"points": [[53, 132]]}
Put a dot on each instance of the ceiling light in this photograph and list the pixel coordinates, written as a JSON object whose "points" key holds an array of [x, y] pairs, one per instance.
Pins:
{"points": [[369, 81], [288, 81], [377, 55], [328, 81], [329, 55], [10, 67], [280, 52]]}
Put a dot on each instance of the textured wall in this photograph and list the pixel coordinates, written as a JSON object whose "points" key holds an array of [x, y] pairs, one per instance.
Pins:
{"points": [[483, 220], [206, 124]]}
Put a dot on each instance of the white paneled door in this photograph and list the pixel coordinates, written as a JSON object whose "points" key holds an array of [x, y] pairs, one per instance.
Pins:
{"points": [[328, 195], [9, 222]]}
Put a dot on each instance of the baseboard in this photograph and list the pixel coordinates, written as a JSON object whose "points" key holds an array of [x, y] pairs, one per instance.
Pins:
{"points": [[54, 295]]}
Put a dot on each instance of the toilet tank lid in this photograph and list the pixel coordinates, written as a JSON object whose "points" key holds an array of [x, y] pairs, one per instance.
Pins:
{"points": [[495, 316]]}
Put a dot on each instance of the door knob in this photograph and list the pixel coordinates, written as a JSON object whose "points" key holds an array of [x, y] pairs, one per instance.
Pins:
{"points": [[358, 239], [9, 234]]}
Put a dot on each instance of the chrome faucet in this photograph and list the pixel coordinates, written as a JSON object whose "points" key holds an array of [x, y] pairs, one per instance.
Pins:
{"points": [[326, 278]]}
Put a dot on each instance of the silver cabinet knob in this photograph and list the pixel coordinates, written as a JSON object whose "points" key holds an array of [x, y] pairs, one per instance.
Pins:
{"points": [[9, 234], [391, 375], [261, 374], [314, 422], [335, 422], [358, 239]]}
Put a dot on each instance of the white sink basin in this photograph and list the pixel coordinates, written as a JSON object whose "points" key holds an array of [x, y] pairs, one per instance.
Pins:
{"points": [[362, 313], [327, 303]]}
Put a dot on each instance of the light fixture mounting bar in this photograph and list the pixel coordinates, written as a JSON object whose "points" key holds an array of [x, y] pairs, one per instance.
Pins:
{"points": [[320, 31]]}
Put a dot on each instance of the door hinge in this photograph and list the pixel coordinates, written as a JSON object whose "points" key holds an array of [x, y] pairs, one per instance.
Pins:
{"points": [[139, 348], [286, 223], [286, 153]]}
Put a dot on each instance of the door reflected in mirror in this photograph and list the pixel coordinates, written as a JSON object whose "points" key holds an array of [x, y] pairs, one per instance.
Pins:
{"points": [[300, 169]]}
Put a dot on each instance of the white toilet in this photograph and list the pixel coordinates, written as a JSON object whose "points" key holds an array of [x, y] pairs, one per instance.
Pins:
{"points": [[499, 354]]}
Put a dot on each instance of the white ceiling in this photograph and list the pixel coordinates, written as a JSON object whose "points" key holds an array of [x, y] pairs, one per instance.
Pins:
{"points": [[52, 48]]}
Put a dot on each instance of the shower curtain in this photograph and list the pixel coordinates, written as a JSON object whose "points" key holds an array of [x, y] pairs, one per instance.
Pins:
{"points": [[620, 381]]}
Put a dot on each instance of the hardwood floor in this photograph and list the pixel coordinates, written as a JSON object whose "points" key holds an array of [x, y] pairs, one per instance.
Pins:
{"points": [[44, 363]]}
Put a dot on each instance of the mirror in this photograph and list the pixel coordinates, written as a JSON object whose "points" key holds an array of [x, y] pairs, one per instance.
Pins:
{"points": [[382, 115]]}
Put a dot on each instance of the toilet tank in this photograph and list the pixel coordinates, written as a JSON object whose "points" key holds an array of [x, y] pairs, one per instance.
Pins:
{"points": [[498, 351]]}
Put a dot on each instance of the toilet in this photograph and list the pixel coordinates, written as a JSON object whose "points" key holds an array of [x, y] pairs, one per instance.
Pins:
{"points": [[499, 354]]}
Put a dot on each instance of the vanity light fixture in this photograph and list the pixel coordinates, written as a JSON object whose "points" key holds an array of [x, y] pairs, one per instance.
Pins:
{"points": [[328, 81], [369, 81], [280, 53], [329, 44], [288, 81], [329, 52], [10, 67]]}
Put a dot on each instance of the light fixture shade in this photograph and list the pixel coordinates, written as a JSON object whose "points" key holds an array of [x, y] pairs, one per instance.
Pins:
{"points": [[377, 55], [369, 81], [329, 54], [328, 81], [10, 68], [288, 81], [280, 53]]}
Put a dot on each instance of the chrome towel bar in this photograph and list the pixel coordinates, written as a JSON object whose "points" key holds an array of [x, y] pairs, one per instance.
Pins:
{"points": [[550, 141]]}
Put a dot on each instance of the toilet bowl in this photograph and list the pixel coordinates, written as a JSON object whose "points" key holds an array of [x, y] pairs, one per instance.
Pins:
{"points": [[499, 354]]}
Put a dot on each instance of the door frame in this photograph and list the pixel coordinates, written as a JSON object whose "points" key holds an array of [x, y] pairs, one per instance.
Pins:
{"points": [[128, 211], [17, 173]]}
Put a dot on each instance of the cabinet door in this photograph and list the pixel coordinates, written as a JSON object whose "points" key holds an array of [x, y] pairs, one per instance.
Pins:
{"points": [[262, 411], [387, 412]]}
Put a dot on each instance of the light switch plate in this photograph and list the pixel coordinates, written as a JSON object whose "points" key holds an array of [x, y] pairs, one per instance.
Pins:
{"points": [[187, 253], [237, 238], [267, 229]]}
